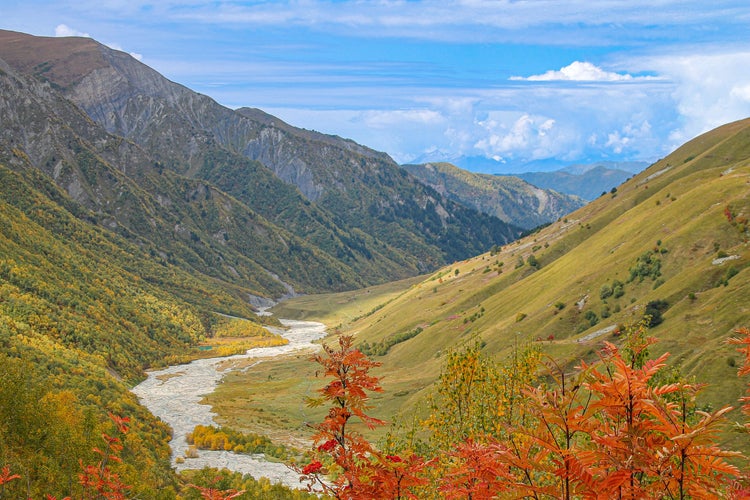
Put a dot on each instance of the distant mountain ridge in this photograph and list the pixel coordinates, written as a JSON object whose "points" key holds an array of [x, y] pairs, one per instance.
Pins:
{"points": [[506, 197], [496, 166], [585, 181]]}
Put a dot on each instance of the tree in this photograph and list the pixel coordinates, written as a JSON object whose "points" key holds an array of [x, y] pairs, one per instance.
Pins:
{"points": [[99, 480], [645, 443], [357, 469]]}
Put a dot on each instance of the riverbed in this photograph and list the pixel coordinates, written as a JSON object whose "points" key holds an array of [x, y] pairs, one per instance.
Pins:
{"points": [[174, 395]]}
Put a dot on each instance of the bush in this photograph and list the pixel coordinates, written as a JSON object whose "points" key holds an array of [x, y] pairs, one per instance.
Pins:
{"points": [[591, 317], [653, 312]]}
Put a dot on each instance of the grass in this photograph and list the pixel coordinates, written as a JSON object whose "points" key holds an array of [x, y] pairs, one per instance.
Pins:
{"points": [[677, 204], [336, 309]]}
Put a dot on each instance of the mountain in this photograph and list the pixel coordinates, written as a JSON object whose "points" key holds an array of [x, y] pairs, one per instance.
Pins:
{"points": [[633, 167], [353, 204], [671, 242], [508, 198], [587, 182]]}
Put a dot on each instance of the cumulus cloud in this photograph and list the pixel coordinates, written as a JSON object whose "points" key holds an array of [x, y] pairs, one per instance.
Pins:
{"points": [[621, 140], [65, 30], [579, 71], [708, 90], [528, 137]]}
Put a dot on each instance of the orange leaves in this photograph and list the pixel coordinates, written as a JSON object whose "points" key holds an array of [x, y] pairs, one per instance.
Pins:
{"points": [[477, 471], [362, 472], [647, 444], [744, 349], [607, 430]]}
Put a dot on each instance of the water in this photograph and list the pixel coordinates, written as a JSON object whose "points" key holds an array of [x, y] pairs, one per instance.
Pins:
{"points": [[174, 393]]}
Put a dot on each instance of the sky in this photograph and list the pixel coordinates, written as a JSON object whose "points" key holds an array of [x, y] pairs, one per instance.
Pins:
{"points": [[518, 81]]}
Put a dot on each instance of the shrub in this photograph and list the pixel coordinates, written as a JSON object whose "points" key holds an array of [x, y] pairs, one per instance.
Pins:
{"points": [[653, 312]]}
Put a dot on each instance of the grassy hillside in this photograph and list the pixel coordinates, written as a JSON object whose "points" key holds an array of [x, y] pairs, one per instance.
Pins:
{"points": [[675, 236], [675, 211]]}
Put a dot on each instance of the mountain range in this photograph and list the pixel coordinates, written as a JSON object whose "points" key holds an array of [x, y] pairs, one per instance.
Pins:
{"points": [[237, 194], [587, 182]]}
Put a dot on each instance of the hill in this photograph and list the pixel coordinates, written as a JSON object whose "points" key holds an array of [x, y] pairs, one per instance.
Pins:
{"points": [[671, 242], [508, 198]]}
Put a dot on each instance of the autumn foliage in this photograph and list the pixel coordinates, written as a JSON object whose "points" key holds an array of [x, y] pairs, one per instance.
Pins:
{"points": [[355, 469], [615, 428]]}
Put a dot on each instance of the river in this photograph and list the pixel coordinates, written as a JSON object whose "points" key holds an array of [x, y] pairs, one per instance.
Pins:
{"points": [[174, 393]]}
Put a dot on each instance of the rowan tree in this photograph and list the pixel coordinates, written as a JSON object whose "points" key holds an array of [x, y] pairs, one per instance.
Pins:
{"points": [[357, 469], [646, 446]]}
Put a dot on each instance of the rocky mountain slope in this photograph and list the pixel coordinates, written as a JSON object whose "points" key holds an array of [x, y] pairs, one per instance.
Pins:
{"points": [[508, 198], [353, 204], [115, 184]]}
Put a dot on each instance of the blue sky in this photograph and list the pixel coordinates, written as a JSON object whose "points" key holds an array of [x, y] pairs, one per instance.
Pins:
{"points": [[518, 81]]}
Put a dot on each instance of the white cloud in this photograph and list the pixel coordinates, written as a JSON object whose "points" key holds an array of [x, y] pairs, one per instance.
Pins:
{"points": [[470, 19], [528, 137], [708, 90], [741, 92], [117, 46], [388, 118], [579, 71], [65, 30], [621, 140]]}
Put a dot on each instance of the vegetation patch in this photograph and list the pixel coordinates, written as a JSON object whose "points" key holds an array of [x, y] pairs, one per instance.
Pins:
{"points": [[381, 348]]}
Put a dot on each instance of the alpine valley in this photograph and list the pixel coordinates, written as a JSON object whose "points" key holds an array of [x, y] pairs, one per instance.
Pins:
{"points": [[144, 225]]}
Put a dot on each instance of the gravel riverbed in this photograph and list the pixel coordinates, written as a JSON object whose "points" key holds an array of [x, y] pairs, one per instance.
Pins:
{"points": [[174, 393]]}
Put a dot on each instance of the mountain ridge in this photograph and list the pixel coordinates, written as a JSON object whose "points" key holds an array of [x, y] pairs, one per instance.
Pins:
{"points": [[506, 197]]}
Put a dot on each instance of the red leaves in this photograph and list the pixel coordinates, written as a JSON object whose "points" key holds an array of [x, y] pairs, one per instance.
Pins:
{"points": [[328, 445], [312, 468], [6, 476], [215, 493], [100, 478], [361, 471]]}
